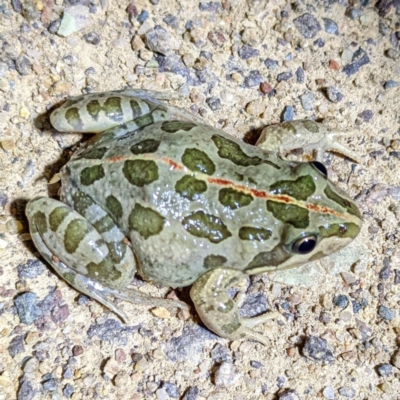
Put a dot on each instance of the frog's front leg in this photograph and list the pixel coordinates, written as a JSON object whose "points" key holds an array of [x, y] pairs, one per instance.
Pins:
{"points": [[219, 312], [88, 250], [308, 135]]}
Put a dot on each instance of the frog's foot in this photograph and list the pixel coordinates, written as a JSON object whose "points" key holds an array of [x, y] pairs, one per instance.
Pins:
{"points": [[310, 136], [219, 312]]}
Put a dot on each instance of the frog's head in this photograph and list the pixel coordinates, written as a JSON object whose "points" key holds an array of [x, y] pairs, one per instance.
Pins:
{"points": [[316, 219]]}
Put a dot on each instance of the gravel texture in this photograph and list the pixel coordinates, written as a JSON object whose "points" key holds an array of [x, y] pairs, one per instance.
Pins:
{"points": [[240, 65]]}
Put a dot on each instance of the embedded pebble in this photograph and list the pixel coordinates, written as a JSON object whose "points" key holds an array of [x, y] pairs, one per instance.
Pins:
{"points": [[328, 393], [191, 394], [333, 94], [160, 41], [347, 392], [359, 58], [246, 52], [288, 395], [331, 26], [307, 101], [74, 19], [307, 25], [226, 376], [27, 307], [385, 370], [288, 114], [171, 389], [386, 313], [315, 348]]}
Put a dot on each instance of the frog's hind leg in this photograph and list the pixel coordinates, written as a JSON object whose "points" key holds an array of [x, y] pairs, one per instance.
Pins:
{"points": [[88, 250], [219, 312]]}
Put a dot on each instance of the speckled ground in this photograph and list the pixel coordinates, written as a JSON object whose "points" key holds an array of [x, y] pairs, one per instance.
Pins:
{"points": [[240, 65]]}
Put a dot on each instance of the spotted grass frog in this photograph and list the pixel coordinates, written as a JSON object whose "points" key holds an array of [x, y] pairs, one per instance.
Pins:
{"points": [[159, 193]]}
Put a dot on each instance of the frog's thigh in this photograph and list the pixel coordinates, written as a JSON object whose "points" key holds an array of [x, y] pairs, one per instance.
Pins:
{"points": [[219, 312]]}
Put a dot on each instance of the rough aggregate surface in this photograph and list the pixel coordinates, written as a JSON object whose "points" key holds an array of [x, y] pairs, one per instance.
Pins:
{"points": [[240, 65]]}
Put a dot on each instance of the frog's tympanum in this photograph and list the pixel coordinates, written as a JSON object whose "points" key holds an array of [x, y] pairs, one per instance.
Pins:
{"points": [[158, 193]]}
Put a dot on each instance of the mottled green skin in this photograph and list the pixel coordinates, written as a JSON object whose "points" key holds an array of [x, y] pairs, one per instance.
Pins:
{"points": [[193, 201]]}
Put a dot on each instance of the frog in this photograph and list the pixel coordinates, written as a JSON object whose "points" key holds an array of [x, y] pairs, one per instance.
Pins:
{"points": [[159, 193]]}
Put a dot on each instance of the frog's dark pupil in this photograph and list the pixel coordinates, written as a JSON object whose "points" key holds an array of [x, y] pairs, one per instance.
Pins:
{"points": [[342, 230], [320, 167], [305, 245]]}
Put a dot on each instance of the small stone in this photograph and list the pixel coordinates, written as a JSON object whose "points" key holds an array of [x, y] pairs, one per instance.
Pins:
{"points": [[328, 393], [385, 370], [307, 25], [171, 20], [68, 390], [300, 75], [16, 345], [253, 79], [142, 365], [255, 108], [348, 278], [266, 88], [191, 394], [225, 376], [334, 65], [392, 54], [162, 394], [353, 13], [92, 38], [161, 41], [256, 364], [390, 84], [143, 16], [74, 19], [161, 312], [220, 354], [211, 6], [246, 52], [289, 395], [359, 58], [366, 115], [214, 103], [27, 307], [315, 348], [347, 392], [50, 385], [171, 389], [341, 301], [307, 101], [270, 64], [331, 26], [333, 94], [284, 76], [77, 350], [288, 114], [395, 360], [386, 313]]}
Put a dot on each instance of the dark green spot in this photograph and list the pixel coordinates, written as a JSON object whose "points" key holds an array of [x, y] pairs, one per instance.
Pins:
{"points": [[89, 175], [39, 223], [190, 187], [144, 120], [117, 251], [206, 226], [104, 271], [145, 221], [273, 258], [69, 277], [104, 224], [288, 126], [232, 327], [345, 230], [136, 109], [94, 108], [226, 307], [73, 118], [175, 126], [114, 207], [289, 213], [82, 202], [311, 126], [96, 153], [300, 189], [214, 261], [348, 205], [140, 172], [234, 199], [145, 146], [232, 151], [57, 216], [252, 233], [75, 232], [198, 161], [113, 109]]}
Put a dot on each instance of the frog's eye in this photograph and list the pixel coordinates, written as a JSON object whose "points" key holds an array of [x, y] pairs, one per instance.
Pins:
{"points": [[320, 167], [304, 245]]}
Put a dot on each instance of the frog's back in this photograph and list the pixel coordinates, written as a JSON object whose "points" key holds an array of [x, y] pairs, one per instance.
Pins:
{"points": [[189, 196]]}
